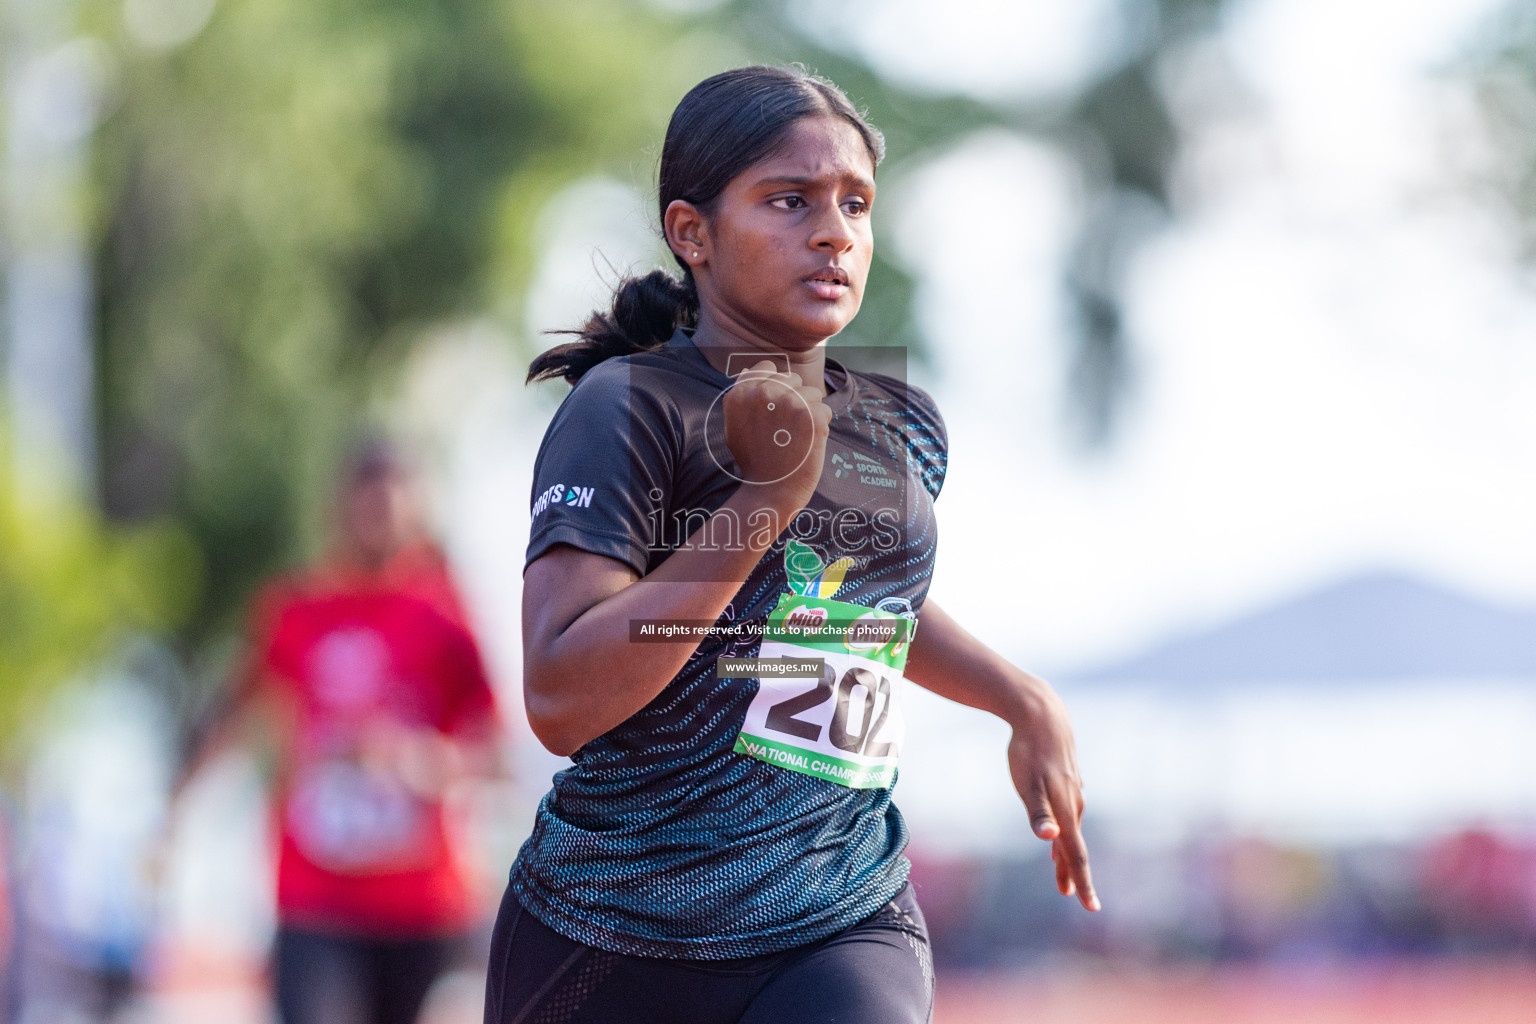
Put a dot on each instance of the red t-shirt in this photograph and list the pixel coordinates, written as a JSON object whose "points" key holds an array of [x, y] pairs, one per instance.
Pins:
{"points": [[356, 655]]}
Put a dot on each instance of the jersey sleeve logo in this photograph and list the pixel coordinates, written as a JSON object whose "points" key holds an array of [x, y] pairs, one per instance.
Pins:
{"points": [[574, 496]]}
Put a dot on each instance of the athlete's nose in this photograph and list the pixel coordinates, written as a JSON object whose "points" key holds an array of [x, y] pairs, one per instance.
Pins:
{"points": [[832, 232]]}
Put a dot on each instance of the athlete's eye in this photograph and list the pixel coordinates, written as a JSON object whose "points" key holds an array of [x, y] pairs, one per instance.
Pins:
{"points": [[855, 207], [790, 202]]}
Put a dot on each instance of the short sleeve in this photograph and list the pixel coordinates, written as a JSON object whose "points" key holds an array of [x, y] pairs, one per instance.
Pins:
{"points": [[927, 439], [604, 468], [922, 430], [471, 699], [272, 654], [474, 700], [270, 645]]}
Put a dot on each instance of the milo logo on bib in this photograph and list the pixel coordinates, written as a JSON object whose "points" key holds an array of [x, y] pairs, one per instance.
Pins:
{"points": [[845, 727]]}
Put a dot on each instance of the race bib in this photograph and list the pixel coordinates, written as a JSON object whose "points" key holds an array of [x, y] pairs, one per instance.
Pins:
{"points": [[846, 725], [346, 819]]}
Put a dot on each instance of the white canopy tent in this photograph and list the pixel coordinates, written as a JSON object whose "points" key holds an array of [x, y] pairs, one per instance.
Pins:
{"points": [[1379, 708]]}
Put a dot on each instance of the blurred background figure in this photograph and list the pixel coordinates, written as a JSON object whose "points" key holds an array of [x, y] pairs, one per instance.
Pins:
{"points": [[367, 684], [94, 799]]}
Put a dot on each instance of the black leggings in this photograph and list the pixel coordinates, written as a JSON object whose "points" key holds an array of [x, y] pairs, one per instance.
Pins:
{"points": [[879, 971], [332, 979]]}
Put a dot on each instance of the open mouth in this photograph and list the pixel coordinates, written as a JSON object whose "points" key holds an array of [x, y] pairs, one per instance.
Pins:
{"points": [[830, 275], [829, 282]]}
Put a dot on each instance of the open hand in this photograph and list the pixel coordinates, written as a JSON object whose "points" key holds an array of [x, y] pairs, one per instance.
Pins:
{"points": [[1042, 758]]}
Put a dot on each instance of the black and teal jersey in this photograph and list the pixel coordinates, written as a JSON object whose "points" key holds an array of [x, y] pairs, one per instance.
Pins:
{"points": [[661, 840]]}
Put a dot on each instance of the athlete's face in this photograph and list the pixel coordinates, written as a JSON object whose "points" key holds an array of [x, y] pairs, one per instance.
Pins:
{"points": [[785, 250]]}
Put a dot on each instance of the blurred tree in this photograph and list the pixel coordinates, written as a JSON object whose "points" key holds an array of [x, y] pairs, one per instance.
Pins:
{"points": [[1125, 137], [1503, 63], [288, 192], [70, 584]]}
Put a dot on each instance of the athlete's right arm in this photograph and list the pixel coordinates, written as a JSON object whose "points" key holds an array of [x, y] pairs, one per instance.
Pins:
{"points": [[582, 674]]}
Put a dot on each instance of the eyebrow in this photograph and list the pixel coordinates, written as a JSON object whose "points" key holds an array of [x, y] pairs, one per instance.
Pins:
{"points": [[784, 179]]}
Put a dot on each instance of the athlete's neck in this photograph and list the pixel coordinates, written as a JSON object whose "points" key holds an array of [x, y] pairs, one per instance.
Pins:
{"points": [[731, 350]]}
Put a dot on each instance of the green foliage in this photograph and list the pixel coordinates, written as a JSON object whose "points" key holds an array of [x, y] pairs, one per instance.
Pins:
{"points": [[70, 583], [287, 200], [1503, 65], [290, 198]]}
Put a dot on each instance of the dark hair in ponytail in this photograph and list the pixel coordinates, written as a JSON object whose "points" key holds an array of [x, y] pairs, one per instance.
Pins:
{"points": [[724, 125]]}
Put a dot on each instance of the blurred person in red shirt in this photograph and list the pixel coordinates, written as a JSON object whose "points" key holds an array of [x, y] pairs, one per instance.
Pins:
{"points": [[364, 676]]}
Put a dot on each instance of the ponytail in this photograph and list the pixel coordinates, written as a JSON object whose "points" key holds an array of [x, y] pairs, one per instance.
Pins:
{"points": [[646, 311]]}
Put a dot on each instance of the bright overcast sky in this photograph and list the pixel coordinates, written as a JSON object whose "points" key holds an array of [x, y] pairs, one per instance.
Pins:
{"points": [[1334, 352]]}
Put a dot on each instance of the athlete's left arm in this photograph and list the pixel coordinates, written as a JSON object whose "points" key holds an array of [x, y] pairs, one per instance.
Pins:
{"points": [[949, 661]]}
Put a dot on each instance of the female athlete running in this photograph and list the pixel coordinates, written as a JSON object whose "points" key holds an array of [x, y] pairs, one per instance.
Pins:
{"points": [[724, 848], [366, 681]]}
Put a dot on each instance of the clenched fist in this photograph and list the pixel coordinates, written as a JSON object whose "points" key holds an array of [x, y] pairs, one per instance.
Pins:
{"points": [[776, 428]]}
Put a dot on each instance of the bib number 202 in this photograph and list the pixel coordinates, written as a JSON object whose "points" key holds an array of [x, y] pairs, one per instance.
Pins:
{"points": [[846, 727], [874, 707]]}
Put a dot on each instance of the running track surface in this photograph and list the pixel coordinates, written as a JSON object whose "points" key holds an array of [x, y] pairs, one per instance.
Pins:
{"points": [[1395, 992], [200, 990]]}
